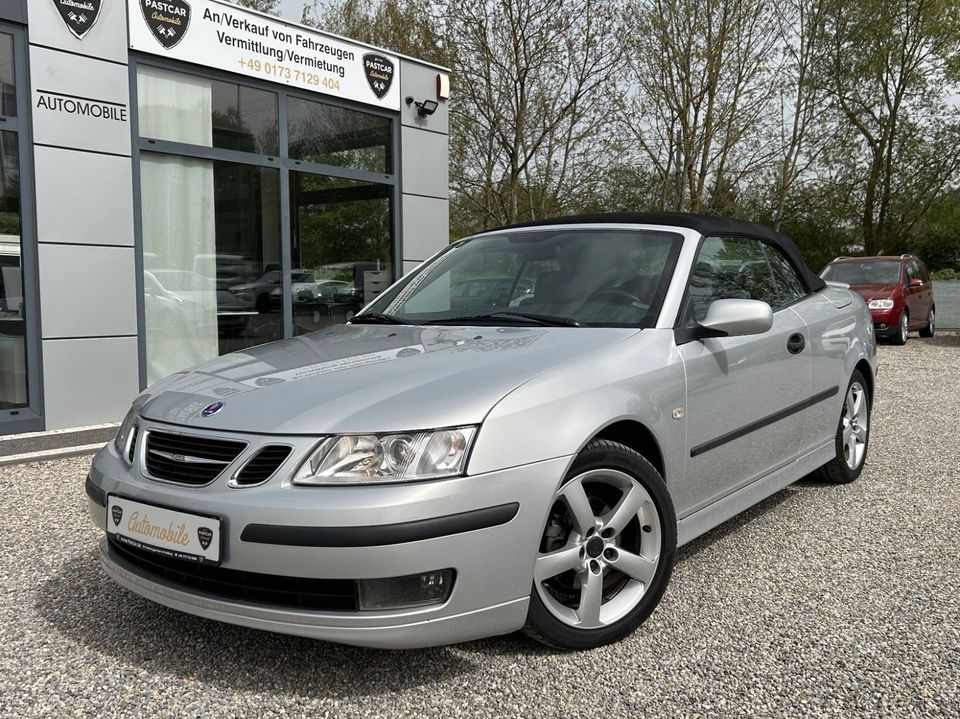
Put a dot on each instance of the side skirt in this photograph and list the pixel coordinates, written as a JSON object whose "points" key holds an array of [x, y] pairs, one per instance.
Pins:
{"points": [[703, 520]]}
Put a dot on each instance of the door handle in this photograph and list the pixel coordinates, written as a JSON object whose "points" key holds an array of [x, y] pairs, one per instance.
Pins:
{"points": [[796, 343]]}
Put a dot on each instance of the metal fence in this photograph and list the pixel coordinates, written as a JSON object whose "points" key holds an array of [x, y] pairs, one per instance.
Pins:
{"points": [[947, 296]]}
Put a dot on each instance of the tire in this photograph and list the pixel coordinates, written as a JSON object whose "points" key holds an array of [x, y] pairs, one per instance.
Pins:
{"points": [[900, 336], [931, 324], [612, 521], [853, 437]]}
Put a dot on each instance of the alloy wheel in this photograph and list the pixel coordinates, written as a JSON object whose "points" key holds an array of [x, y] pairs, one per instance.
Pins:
{"points": [[904, 327], [855, 425], [600, 549]]}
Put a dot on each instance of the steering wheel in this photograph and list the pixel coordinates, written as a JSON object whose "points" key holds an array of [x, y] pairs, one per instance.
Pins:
{"points": [[615, 295]]}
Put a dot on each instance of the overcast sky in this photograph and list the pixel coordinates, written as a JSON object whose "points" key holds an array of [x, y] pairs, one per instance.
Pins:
{"points": [[291, 9]]}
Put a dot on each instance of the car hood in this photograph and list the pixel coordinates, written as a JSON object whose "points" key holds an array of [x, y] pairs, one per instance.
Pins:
{"points": [[869, 292], [369, 378]]}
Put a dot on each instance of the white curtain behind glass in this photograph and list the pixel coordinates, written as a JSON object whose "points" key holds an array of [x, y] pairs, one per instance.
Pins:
{"points": [[179, 231], [173, 106]]}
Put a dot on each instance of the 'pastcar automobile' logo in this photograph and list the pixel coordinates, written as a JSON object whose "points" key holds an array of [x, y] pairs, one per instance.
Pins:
{"points": [[168, 20], [379, 73], [79, 15]]}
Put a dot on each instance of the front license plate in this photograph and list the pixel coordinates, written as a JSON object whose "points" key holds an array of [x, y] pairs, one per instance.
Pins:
{"points": [[169, 532]]}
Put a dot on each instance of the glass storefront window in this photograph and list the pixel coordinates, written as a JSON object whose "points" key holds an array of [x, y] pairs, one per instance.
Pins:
{"points": [[8, 88], [13, 366], [211, 227], [179, 107], [211, 248], [337, 136], [342, 243]]}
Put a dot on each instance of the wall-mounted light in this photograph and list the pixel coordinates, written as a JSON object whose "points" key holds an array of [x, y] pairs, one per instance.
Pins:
{"points": [[425, 108]]}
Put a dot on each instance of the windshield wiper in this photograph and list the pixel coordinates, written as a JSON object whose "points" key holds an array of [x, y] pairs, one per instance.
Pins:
{"points": [[509, 316], [376, 318]]}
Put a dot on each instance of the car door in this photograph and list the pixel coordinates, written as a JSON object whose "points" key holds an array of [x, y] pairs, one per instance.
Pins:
{"points": [[742, 393]]}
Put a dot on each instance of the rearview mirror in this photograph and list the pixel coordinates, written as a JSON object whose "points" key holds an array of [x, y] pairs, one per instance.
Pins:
{"points": [[915, 282]]}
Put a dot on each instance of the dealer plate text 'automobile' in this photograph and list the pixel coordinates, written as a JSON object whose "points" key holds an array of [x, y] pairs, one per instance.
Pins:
{"points": [[170, 533]]}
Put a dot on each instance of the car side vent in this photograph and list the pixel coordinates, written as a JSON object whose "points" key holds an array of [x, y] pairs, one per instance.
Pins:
{"points": [[132, 444], [263, 464]]}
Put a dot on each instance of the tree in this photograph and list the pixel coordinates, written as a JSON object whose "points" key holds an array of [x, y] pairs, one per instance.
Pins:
{"points": [[702, 76], [886, 68], [267, 6], [801, 137], [408, 27], [530, 111]]}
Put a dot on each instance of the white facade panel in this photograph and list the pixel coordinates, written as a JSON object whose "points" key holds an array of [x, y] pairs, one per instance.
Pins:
{"points": [[87, 291], [79, 102], [426, 227], [102, 34], [83, 197], [424, 164], [89, 381]]}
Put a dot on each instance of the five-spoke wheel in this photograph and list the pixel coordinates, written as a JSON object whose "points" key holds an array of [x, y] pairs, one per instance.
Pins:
{"points": [[606, 552]]}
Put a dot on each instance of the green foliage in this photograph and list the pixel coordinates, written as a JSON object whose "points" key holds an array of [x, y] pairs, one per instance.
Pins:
{"points": [[408, 27], [267, 6]]}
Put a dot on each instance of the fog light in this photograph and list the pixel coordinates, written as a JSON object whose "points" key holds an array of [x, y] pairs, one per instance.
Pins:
{"points": [[413, 590]]}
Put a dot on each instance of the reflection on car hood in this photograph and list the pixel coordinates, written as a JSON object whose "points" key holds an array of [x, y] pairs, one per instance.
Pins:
{"points": [[369, 378]]}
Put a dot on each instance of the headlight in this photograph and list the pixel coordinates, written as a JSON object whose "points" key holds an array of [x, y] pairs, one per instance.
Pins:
{"points": [[880, 304], [370, 458], [121, 441]]}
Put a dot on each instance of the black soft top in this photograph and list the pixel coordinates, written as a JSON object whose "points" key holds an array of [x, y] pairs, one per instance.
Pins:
{"points": [[706, 225]]}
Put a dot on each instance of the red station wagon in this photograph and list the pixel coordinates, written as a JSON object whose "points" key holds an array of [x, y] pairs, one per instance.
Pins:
{"points": [[897, 290]]}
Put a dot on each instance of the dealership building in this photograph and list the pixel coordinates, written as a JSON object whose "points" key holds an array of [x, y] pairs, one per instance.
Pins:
{"points": [[184, 178]]}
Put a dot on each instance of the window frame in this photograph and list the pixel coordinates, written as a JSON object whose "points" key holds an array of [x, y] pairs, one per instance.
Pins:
{"points": [[29, 418], [685, 319], [282, 161]]}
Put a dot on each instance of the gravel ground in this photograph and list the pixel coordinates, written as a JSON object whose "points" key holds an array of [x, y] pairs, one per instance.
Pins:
{"points": [[821, 601]]}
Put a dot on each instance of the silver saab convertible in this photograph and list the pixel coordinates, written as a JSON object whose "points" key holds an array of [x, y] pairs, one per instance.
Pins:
{"points": [[526, 455]]}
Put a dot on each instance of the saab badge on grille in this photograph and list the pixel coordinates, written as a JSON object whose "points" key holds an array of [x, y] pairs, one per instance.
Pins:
{"points": [[117, 512], [211, 409], [205, 535]]}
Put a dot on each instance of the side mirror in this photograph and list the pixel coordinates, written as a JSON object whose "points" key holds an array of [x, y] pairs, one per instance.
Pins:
{"points": [[734, 318], [915, 282], [729, 318]]}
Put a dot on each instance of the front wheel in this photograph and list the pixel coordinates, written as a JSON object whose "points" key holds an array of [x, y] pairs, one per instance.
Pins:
{"points": [[853, 435], [931, 324], [606, 553], [903, 327]]}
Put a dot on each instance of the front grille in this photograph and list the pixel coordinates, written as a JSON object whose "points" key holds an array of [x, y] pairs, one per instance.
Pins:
{"points": [[188, 459], [335, 595], [263, 465]]}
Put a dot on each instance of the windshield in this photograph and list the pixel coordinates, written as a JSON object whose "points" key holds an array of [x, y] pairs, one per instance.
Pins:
{"points": [[863, 273], [589, 277]]}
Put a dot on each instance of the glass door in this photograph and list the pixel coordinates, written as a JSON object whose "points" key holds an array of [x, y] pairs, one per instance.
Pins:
{"points": [[341, 247]]}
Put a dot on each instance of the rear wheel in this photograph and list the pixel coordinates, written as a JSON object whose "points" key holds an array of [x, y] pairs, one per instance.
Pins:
{"points": [[606, 553], [853, 435], [931, 324], [900, 336]]}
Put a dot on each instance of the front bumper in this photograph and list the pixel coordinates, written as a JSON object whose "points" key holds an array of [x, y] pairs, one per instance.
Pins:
{"points": [[886, 323], [493, 564]]}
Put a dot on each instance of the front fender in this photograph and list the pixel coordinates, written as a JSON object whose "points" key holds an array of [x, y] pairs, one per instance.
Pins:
{"points": [[557, 413]]}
